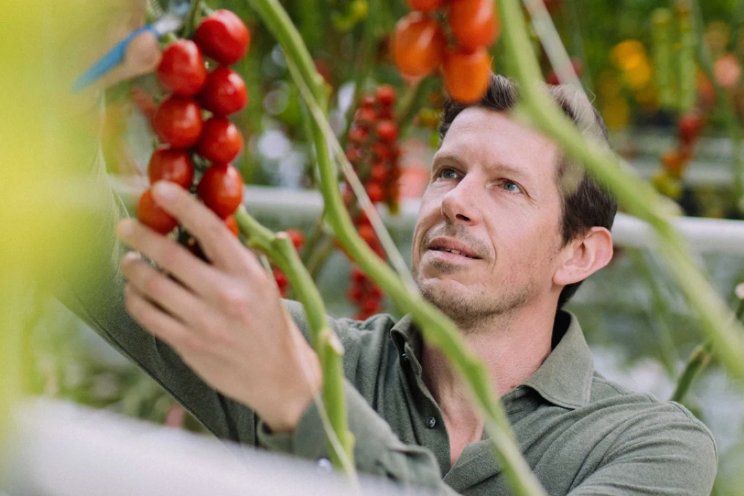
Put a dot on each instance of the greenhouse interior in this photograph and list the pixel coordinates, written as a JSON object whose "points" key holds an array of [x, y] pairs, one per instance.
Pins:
{"points": [[311, 130]]}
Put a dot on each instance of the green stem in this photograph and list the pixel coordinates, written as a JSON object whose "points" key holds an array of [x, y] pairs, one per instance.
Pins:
{"points": [[437, 329], [280, 250], [634, 194], [698, 360]]}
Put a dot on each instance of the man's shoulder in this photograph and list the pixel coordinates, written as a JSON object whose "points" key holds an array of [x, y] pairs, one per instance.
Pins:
{"points": [[643, 414]]}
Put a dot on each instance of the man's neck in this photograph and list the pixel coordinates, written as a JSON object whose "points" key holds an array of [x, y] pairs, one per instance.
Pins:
{"points": [[511, 347]]}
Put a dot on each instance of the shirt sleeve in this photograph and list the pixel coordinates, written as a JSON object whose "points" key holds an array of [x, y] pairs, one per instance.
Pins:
{"points": [[94, 292], [377, 450], [671, 455]]}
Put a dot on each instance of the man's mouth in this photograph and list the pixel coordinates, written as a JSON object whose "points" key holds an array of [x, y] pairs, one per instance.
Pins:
{"points": [[450, 245]]}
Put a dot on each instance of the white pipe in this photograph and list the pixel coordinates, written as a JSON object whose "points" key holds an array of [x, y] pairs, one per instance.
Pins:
{"points": [[703, 235]]}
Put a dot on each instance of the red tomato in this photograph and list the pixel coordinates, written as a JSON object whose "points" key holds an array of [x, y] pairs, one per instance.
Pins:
{"points": [[473, 22], [689, 127], [376, 192], [154, 217], [385, 95], [181, 68], [298, 239], [178, 121], [221, 189], [168, 164], [232, 225], [220, 140], [425, 5], [224, 92], [466, 74], [417, 45], [223, 37], [387, 130]]}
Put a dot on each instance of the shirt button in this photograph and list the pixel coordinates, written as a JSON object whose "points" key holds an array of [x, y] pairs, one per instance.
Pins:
{"points": [[404, 357], [431, 422]]}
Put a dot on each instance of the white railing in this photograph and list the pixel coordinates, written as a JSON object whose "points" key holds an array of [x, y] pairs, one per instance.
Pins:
{"points": [[704, 235]]}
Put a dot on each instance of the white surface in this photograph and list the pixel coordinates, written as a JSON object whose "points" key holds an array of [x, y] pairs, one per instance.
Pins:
{"points": [[61, 449]]}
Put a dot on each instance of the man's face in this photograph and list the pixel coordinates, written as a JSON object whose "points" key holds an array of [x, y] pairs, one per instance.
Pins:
{"points": [[488, 237]]}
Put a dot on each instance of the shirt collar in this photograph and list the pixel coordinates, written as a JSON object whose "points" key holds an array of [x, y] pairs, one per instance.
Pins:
{"points": [[564, 378]]}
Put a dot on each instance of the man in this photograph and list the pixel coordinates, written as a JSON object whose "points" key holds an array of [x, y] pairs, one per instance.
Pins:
{"points": [[507, 229]]}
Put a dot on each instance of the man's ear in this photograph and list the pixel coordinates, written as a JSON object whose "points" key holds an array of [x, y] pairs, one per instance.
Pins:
{"points": [[584, 256]]}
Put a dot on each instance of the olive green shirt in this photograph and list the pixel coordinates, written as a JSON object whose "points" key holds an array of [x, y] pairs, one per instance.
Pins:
{"points": [[580, 433]]}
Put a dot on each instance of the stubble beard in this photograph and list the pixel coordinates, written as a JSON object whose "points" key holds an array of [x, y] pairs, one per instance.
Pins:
{"points": [[474, 309]]}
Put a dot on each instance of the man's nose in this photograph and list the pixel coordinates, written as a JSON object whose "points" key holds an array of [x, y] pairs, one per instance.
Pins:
{"points": [[460, 203]]}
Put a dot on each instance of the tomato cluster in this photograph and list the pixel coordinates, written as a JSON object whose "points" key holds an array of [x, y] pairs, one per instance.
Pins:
{"points": [[674, 162], [451, 34], [372, 149], [198, 141]]}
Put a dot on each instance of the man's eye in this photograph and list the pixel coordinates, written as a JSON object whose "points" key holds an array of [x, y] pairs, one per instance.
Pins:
{"points": [[447, 173], [511, 186]]}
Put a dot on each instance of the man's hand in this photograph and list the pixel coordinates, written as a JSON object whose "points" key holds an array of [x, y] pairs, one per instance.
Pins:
{"points": [[226, 319]]}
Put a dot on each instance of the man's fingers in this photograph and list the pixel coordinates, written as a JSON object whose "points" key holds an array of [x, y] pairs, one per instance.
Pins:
{"points": [[219, 245], [168, 255], [154, 320], [157, 287]]}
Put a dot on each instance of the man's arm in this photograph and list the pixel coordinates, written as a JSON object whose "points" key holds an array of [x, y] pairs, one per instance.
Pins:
{"points": [[226, 321]]}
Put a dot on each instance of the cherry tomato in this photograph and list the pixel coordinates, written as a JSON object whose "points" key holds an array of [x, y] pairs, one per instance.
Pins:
{"points": [[224, 92], [387, 130], [298, 239], [425, 5], [417, 45], [223, 37], [221, 189], [181, 68], [154, 217], [376, 192], [168, 164], [220, 140], [178, 121], [232, 225], [675, 161], [385, 94], [689, 127], [466, 74], [473, 22]]}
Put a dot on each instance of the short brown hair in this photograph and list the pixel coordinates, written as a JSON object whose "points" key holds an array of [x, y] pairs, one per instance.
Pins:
{"points": [[584, 202]]}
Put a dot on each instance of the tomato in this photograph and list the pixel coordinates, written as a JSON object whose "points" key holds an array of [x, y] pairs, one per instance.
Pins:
{"points": [[376, 192], [675, 161], [466, 74], [689, 127], [298, 239], [385, 94], [221, 189], [473, 23], [223, 37], [178, 121], [387, 130], [417, 45], [181, 68], [220, 140], [232, 225], [425, 5], [154, 217], [168, 164], [224, 92]]}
